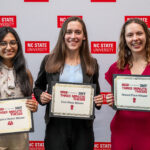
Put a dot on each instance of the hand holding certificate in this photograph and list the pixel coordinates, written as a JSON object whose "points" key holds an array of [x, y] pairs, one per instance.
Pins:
{"points": [[132, 92], [15, 116], [72, 100]]}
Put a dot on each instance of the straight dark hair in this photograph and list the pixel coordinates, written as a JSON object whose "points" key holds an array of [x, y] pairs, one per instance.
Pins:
{"points": [[18, 63]]}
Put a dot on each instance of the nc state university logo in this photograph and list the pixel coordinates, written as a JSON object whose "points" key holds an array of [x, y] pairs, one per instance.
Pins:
{"points": [[146, 19], [134, 100], [8, 21], [10, 123], [103, 47], [37, 47], [71, 107], [36, 145], [61, 20], [102, 146]]}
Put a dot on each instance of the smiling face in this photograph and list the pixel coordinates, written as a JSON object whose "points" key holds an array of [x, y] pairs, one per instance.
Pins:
{"points": [[8, 47], [135, 38], [74, 36]]}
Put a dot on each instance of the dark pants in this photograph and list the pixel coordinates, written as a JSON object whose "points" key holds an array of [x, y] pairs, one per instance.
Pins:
{"points": [[69, 134]]}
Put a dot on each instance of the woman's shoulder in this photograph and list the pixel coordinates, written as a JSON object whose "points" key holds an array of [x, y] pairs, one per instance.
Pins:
{"points": [[48, 57], [95, 64], [45, 59], [114, 67], [147, 70], [94, 61], [109, 74]]}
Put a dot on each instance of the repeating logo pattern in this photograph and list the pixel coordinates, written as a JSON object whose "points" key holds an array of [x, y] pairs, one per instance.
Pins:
{"points": [[10, 21], [146, 19], [37, 47], [61, 20], [103, 47]]}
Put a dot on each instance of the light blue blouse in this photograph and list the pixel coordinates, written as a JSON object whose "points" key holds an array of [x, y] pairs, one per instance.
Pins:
{"points": [[71, 74]]}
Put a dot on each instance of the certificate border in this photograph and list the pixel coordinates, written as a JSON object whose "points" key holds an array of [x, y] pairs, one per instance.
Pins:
{"points": [[73, 117], [30, 115], [130, 108]]}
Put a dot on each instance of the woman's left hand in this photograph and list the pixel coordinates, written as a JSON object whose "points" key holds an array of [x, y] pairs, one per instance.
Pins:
{"points": [[32, 105], [98, 100]]}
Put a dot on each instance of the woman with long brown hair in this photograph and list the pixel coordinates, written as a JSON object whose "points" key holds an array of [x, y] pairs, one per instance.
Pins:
{"points": [[130, 130], [70, 61]]}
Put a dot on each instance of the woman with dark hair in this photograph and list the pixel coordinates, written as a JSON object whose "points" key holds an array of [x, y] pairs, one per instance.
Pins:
{"points": [[15, 81], [130, 130], [72, 62]]}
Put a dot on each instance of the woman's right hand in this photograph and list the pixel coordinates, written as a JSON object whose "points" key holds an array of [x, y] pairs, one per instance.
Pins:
{"points": [[110, 99], [45, 98]]}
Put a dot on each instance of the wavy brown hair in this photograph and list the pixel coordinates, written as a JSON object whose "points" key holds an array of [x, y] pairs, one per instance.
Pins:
{"points": [[56, 59], [125, 55]]}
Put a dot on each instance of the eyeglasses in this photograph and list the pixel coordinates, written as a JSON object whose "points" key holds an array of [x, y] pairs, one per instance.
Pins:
{"points": [[12, 44]]}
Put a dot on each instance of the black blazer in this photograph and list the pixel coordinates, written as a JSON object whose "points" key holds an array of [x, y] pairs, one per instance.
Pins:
{"points": [[43, 83]]}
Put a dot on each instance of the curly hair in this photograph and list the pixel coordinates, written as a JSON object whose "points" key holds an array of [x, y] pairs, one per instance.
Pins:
{"points": [[125, 55]]}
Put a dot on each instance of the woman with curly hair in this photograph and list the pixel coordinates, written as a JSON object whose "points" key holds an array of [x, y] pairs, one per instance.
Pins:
{"points": [[130, 130]]}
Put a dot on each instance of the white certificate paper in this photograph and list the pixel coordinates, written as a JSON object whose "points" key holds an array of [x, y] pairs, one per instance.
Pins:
{"points": [[14, 116], [132, 92], [72, 100]]}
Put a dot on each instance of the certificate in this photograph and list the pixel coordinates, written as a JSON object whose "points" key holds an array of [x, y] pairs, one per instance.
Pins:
{"points": [[72, 100], [15, 116], [131, 92]]}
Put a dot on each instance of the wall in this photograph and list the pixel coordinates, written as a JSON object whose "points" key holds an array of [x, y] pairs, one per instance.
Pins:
{"points": [[39, 22]]}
